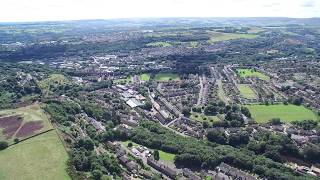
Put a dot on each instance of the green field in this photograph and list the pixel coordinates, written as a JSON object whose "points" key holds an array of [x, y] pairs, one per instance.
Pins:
{"points": [[243, 73], [219, 36], [166, 77], [28, 113], [159, 44], [287, 113], [145, 77], [246, 91], [164, 156], [54, 80], [41, 157], [201, 117]]}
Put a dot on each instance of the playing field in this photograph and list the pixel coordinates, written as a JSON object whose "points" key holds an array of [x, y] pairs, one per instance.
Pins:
{"points": [[246, 91], [145, 77], [243, 73], [38, 158], [23, 122], [219, 36], [287, 113], [166, 77]]}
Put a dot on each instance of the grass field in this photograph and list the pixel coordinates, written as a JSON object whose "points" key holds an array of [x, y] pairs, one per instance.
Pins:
{"points": [[287, 113], [53, 80], [166, 77], [246, 91], [145, 77], [164, 156], [28, 113], [123, 81], [219, 36], [243, 73], [41, 157], [201, 117], [159, 44]]}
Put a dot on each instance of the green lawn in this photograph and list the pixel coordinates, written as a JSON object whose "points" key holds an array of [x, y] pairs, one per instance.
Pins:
{"points": [[243, 73], [38, 158], [164, 156], [219, 36], [287, 113], [246, 91], [201, 117], [123, 81], [145, 77], [29, 113], [166, 77]]}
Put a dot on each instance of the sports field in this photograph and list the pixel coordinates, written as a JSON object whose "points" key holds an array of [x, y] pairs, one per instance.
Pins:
{"points": [[287, 113], [41, 157], [166, 77], [246, 91], [243, 73], [219, 36]]}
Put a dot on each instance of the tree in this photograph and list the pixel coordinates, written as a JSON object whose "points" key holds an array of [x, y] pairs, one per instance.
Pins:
{"points": [[217, 136], [130, 144], [156, 155], [186, 112], [16, 140], [275, 121], [245, 111], [97, 174], [3, 145]]}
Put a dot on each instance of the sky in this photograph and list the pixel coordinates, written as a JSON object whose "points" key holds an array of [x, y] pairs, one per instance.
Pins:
{"points": [[51, 10]]}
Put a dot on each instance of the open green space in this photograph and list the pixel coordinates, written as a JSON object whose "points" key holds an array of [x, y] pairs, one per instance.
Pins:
{"points": [[38, 158], [287, 113], [124, 80], [246, 91], [219, 36], [201, 117], [53, 80], [243, 73], [166, 77], [145, 77], [164, 156], [159, 44], [28, 113]]}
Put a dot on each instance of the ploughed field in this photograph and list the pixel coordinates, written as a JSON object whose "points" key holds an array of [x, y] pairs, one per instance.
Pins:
{"points": [[22, 123], [39, 154], [287, 113]]}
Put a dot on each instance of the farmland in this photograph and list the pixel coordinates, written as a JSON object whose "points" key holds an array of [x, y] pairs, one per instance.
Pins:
{"points": [[166, 77], [243, 73], [23, 122], [287, 113], [41, 157], [218, 36], [246, 91]]}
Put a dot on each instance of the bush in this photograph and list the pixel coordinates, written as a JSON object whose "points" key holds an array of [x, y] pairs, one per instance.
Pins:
{"points": [[3, 145]]}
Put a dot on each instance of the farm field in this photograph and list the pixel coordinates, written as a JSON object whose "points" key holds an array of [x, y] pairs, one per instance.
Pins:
{"points": [[22, 122], [287, 113], [41, 157], [243, 73], [145, 77], [166, 77], [219, 36], [159, 44], [246, 91]]}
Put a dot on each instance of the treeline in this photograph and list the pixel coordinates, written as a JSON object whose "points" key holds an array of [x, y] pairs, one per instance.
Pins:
{"points": [[194, 153]]}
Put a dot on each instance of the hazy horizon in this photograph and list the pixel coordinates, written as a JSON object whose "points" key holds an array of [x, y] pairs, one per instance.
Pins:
{"points": [[64, 10]]}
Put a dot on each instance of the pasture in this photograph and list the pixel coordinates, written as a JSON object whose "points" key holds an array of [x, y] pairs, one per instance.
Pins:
{"points": [[243, 73], [164, 77], [246, 91], [219, 36], [287, 113], [41, 157]]}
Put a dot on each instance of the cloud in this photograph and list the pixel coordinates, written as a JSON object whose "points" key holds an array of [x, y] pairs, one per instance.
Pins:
{"points": [[309, 4]]}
